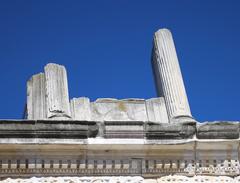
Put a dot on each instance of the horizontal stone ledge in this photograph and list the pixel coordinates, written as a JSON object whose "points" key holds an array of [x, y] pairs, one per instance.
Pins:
{"points": [[170, 131], [218, 130], [47, 129], [117, 129], [124, 129]]}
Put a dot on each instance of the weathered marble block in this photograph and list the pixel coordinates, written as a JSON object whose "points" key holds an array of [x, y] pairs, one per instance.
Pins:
{"points": [[47, 129], [124, 129], [80, 109], [119, 110], [156, 110], [218, 130], [170, 131]]}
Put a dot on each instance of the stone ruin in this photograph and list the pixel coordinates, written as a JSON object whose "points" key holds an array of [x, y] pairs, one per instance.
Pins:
{"points": [[130, 140]]}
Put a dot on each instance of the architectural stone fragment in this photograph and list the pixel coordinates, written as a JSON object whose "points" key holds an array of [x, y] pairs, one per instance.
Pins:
{"points": [[156, 110], [168, 77], [217, 158], [218, 130], [57, 92], [47, 129], [123, 129], [36, 97], [80, 108], [119, 110], [170, 131]]}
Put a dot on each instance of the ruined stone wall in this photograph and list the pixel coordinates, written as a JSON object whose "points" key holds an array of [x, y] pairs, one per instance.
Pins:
{"points": [[110, 140]]}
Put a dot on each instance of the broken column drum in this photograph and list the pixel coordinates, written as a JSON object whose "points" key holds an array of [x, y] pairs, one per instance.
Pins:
{"points": [[48, 94], [168, 77], [57, 91]]}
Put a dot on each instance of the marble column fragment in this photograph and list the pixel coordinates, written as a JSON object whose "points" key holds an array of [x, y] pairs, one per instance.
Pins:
{"points": [[168, 77], [80, 109], [36, 102], [58, 105]]}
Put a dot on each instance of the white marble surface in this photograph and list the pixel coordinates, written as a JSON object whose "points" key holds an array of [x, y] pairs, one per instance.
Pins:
{"points": [[80, 108], [48, 98], [156, 110], [118, 110], [168, 77], [57, 91], [36, 97]]}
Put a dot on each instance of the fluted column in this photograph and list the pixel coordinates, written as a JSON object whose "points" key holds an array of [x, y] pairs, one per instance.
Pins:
{"points": [[36, 97], [168, 77], [57, 98]]}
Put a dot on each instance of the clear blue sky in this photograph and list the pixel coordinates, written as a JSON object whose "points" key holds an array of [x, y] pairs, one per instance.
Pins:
{"points": [[106, 46]]}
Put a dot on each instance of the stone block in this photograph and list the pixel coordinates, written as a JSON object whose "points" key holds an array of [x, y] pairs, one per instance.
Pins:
{"points": [[65, 164], [22, 165], [109, 164], [82, 164], [159, 164], [119, 110], [218, 130], [170, 131], [13, 164], [5, 164], [126, 164], [47, 164], [99, 164], [118, 164], [56, 164], [31, 164], [90, 164], [47, 129], [174, 165], [38, 164], [150, 164], [124, 129], [156, 110], [73, 166], [80, 109]]}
